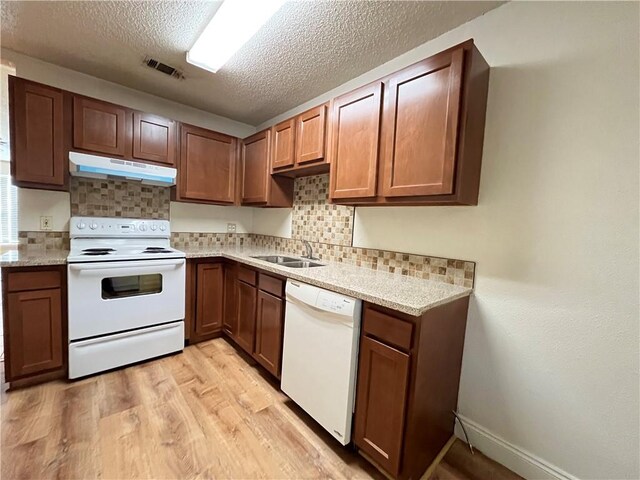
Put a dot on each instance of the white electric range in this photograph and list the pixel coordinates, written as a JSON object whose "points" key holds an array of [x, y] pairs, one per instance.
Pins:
{"points": [[126, 293]]}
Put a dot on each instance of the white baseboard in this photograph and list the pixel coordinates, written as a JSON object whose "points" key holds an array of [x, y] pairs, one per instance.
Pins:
{"points": [[520, 461]]}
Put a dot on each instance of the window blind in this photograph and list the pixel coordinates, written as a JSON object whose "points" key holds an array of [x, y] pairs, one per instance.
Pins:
{"points": [[8, 210]]}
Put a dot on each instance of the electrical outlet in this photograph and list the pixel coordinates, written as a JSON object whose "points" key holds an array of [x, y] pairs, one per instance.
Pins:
{"points": [[45, 222], [231, 228]]}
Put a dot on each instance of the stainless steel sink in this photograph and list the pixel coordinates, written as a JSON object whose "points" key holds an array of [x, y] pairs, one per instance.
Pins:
{"points": [[291, 262]]}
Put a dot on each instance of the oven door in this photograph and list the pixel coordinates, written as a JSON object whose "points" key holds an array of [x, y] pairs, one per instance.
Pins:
{"points": [[110, 297]]}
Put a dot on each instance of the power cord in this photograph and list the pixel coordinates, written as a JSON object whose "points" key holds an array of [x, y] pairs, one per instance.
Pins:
{"points": [[464, 430]]}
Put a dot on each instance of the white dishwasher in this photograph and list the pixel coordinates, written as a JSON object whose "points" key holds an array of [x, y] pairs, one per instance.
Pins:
{"points": [[320, 354]]}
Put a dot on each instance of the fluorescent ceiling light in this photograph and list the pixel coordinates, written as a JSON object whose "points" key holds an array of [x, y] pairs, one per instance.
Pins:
{"points": [[235, 22]]}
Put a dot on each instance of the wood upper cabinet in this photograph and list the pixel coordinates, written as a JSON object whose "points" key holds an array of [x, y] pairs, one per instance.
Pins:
{"points": [[101, 127], [230, 320], [246, 314], [37, 134], [269, 332], [283, 137], [154, 139], [311, 135], [34, 321], [259, 187], [355, 141], [421, 111], [209, 299], [256, 168], [207, 172]]}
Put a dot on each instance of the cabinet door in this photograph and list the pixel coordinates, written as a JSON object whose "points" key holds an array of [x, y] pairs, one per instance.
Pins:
{"points": [[207, 170], [421, 127], [209, 298], [230, 321], [355, 143], [283, 142], [256, 172], [311, 130], [35, 332], [269, 331], [100, 127], [36, 113], [246, 313], [381, 402], [154, 138]]}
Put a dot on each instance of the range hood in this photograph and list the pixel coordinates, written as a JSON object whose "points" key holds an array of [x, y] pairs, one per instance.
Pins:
{"points": [[94, 166]]}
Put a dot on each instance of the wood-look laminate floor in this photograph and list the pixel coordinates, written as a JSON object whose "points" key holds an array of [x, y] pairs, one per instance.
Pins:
{"points": [[205, 413]]}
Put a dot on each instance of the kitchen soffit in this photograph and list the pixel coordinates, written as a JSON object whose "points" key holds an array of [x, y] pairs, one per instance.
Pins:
{"points": [[306, 49]]}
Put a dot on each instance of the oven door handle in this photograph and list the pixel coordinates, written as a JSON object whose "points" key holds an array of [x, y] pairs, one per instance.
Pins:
{"points": [[80, 267]]}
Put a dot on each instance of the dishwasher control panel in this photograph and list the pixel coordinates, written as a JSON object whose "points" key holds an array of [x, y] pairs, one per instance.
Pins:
{"points": [[334, 303]]}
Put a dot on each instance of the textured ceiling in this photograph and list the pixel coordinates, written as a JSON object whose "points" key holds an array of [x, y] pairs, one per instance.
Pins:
{"points": [[306, 49]]}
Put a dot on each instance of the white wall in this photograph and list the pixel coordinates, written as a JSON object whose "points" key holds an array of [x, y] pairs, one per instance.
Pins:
{"points": [[188, 217], [272, 221], [551, 356], [33, 203]]}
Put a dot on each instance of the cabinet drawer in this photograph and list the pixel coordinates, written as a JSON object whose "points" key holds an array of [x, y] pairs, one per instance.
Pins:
{"points": [[390, 330], [247, 275], [23, 281], [270, 284]]}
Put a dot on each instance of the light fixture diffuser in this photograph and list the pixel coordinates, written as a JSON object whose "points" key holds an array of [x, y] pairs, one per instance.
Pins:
{"points": [[235, 22]]}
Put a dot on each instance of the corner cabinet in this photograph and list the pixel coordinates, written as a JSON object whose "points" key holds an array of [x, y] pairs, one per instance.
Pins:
{"points": [[414, 137], [259, 187], [207, 166], [37, 131], [34, 315]]}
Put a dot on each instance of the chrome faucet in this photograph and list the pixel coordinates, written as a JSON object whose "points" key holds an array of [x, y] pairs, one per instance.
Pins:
{"points": [[309, 248]]}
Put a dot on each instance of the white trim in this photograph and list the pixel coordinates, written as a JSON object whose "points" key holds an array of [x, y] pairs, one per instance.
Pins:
{"points": [[524, 463]]}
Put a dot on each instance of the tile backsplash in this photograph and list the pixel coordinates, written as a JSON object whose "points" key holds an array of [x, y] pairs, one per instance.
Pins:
{"points": [[32, 240], [201, 240], [118, 198], [315, 219]]}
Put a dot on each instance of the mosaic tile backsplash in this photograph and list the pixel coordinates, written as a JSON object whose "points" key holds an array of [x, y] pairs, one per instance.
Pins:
{"points": [[31, 240], [117, 198], [455, 272], [315, 219], [201, 240]]}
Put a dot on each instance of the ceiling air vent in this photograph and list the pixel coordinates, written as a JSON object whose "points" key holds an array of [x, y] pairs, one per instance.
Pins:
{"points": [[163, 67]]}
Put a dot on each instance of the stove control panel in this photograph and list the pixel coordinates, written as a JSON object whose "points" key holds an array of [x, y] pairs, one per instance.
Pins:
{"points": [[118, 227]]}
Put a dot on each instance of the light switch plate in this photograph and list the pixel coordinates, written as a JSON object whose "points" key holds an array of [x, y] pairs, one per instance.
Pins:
{"points": [[46, 222], [231, 228]]}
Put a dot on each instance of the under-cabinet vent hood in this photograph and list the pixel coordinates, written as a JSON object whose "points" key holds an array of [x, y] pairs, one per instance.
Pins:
{"points": [[94, 166]]}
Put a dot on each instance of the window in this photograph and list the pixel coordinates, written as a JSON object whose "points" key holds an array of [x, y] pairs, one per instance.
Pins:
{"points": [[8, 193]]}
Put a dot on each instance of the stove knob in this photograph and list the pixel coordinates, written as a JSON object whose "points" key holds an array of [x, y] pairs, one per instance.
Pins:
{"points": [[163, 227], [142, 227], [81, 225], [93, 226], [154, 227]]}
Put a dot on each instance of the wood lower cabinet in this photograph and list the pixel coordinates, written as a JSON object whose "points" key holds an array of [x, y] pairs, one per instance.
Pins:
{"points": [[269, 332], [382, 393], [37, 135], [407, 387], [230, 320], [247, 296], [154, 139], [207, 166], [34, 322], [259, 187], [101, 127], [209, 299]]}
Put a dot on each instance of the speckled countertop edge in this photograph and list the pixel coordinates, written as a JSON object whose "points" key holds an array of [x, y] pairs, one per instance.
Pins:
{"points": [[409, 295]]}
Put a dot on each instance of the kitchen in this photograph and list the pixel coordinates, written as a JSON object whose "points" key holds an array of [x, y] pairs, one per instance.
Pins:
{"points": [[405, 246]]}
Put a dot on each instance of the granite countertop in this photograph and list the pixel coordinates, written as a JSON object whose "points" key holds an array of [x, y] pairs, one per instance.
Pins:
{"points": [[409, 295], [33, 258]]}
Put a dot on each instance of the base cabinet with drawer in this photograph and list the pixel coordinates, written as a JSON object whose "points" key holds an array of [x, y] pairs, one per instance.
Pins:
{"points": [[407, 387], [34, 316]]}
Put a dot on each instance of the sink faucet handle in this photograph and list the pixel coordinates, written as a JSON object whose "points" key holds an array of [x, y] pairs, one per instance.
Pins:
{"points": [[309, 248]]}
